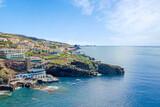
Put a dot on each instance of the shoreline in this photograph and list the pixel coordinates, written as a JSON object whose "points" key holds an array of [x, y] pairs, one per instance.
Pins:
{"points": [[33, 58]]}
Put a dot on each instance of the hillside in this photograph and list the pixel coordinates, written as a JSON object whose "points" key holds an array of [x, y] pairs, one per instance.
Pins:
{"points": [[60, 59], [21, 41]]}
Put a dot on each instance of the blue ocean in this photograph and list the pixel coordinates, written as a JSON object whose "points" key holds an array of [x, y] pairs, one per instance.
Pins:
{"points": [[139, 87]]}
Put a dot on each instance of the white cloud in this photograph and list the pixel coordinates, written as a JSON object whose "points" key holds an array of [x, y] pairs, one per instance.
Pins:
{"points": [[1, 3], [134, 16], [86, 6], [137, 20]]}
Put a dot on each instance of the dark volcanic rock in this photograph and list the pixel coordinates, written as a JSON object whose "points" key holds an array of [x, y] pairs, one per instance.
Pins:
{"points": [[69, 71], [80, 65], [77, 47], [81, 69], [110, 69]]}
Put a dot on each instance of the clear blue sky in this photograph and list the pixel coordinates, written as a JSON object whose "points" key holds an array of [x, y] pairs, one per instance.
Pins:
{"points": [[99, 22]]}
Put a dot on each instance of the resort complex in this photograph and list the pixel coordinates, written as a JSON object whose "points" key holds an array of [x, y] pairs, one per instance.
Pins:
{"points": [[31, 69], [24, 60]]}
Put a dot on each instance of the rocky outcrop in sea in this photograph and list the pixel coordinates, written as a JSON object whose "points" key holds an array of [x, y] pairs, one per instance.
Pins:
{"points": [[107, 69]]}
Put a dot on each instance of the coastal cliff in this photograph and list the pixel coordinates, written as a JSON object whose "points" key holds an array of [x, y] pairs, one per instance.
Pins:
{"points": [[70, 71], [81, 69]]}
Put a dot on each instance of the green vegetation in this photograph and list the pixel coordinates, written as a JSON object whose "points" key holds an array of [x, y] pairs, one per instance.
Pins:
{"points": [[50, 57], [21, 41], [67, 58], [5, 44], [61, 61], [6, 35], [83, 59], [5, 72], [30, 53]]}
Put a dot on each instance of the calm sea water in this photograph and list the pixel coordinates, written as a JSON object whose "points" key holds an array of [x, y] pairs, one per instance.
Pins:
{"points": [[139, 87]]}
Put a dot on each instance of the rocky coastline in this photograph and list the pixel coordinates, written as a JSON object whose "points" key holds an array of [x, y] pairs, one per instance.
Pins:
{"points": [[58, 59], [81, 69]]}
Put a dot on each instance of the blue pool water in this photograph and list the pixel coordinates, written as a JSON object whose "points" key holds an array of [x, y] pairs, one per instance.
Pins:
{"points": [[139, 87]]}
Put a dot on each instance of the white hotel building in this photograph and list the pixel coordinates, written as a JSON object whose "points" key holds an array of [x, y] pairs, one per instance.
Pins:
{"points": [[12, 53]]}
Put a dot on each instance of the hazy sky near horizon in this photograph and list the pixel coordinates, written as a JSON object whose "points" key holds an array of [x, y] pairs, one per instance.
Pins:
{"points": [[94, 22]]}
